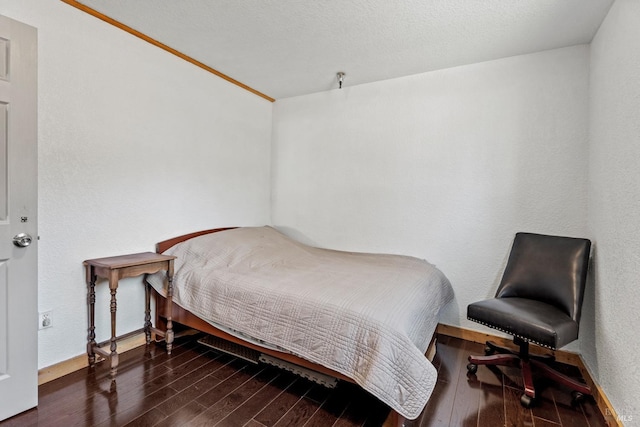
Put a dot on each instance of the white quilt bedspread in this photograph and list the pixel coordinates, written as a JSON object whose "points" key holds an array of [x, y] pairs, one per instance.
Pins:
{"points": [[368, 316]]}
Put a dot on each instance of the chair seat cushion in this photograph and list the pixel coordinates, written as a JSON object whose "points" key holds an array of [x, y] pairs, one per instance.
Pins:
{"points": [[531, 320]]}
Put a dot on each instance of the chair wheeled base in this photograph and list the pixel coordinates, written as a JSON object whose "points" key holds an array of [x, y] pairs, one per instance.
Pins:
{"points": [[501, 356]]}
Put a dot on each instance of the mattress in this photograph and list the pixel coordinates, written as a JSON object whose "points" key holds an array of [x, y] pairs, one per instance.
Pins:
{"points": [[368, 316]]}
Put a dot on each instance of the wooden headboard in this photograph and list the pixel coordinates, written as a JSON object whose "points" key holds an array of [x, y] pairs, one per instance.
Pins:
{"points": [[166, 244]]}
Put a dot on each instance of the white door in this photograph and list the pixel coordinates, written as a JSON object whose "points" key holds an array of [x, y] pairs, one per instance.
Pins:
{"points": [[18, 217]]}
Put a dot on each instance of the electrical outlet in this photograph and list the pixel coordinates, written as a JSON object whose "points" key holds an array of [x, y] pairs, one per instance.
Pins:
{"points": [[45, 319]]}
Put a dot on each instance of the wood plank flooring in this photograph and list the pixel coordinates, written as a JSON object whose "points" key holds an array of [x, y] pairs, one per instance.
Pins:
{"points": [[197, 386]]}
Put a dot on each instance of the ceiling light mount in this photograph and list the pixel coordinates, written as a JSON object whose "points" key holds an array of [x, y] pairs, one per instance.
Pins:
{"points": [[340, 76]]}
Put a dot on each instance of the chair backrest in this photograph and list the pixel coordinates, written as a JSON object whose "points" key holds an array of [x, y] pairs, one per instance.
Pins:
{"points": [[550, 269]]}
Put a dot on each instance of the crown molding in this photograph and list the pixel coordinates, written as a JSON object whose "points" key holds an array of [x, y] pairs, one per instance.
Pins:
{"points": [[163, 46]]}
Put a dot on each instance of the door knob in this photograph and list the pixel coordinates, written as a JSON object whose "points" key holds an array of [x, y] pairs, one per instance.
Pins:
{"points": [[22, 240]]}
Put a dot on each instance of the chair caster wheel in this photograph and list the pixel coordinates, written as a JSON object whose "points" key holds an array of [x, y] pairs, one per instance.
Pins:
{"points": [[576, 398], [488, 350], [526, 401], [472, 368]]}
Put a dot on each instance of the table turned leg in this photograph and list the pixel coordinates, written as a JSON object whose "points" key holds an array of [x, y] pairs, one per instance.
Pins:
{"points": [[169, 333], [91, 299], [113, 285], [147, 313]]}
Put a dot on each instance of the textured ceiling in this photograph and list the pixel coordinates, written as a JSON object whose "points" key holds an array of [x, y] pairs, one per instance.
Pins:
{"points": [[285, 48]]}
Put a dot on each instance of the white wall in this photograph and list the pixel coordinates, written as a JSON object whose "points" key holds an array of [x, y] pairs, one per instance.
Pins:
{"points": [[446, 165], [135, 146], [614, 208]]}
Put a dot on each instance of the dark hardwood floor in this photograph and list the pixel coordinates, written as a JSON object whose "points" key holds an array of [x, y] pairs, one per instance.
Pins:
{"points": [[197, 386]]}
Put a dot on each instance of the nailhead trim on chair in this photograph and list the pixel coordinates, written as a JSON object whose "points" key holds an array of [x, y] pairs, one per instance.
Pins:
{"points": [[511, 333]]}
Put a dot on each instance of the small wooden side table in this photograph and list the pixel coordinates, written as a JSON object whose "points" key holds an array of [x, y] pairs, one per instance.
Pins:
{"points": [[114, 269]]}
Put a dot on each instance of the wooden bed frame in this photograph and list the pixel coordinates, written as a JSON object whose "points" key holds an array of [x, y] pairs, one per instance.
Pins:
{"points": [[167, 313]]}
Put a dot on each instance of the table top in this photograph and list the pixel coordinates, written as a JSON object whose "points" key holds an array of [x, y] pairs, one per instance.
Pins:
{"points": [[123, 261]]}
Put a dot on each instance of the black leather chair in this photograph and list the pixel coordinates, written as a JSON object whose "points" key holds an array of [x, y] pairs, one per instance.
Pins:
{"points": [[539, 300]]}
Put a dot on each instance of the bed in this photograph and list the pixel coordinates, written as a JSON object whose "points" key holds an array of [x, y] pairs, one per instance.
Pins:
{"points": [[364, 318]]}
